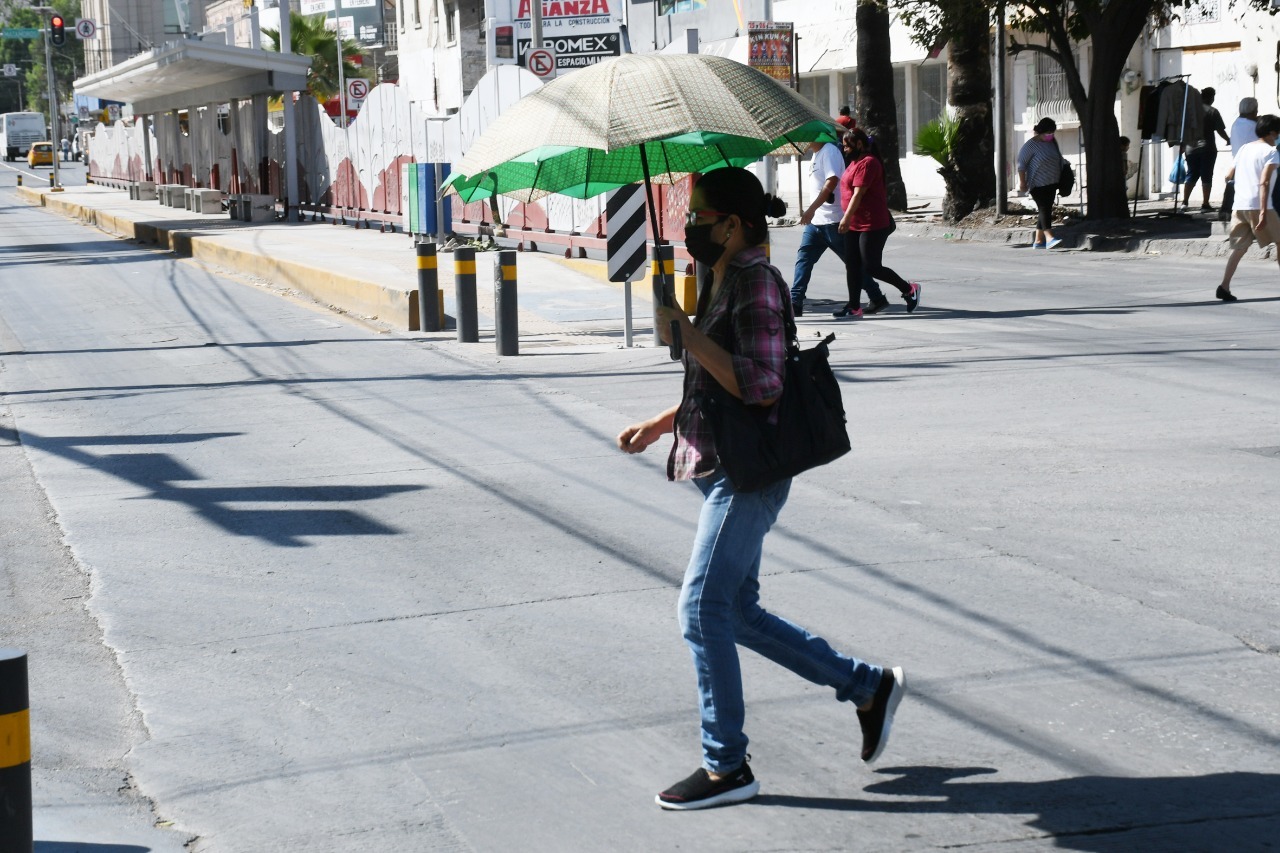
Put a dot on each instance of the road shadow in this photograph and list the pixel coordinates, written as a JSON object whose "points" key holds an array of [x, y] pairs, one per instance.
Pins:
{"points": [[1220, 811], [86, 847], [165, 477]]}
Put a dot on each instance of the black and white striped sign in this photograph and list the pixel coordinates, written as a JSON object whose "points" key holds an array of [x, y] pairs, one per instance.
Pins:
{"points": [[624, 224]]}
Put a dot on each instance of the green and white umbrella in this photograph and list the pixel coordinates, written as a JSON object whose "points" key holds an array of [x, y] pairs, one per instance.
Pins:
{"points": [[636, 118], [652, 118]]}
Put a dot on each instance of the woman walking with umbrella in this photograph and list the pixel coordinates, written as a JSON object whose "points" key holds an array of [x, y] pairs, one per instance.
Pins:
{"points": [[739, 343], [866, 226]]}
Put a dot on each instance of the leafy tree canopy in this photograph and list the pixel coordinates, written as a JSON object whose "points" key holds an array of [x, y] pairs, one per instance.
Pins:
{"points": [[308, 36]]}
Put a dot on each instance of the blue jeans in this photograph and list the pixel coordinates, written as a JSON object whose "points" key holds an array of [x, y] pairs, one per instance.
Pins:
{"points": [[720, 609], [816, 240]]}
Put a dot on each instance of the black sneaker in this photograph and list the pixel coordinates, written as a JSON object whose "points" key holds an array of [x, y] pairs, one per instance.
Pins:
{"points": [[877, 721], [700, 791], [1224, 294], [876, 307], [913, 297], [797, 307]]}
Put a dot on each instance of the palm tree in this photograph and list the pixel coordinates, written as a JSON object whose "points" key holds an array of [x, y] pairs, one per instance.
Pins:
{"points": [[877, 107], [308, 36]]}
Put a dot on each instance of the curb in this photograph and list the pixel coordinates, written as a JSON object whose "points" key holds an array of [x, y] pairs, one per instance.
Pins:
{"points": [[396, 306]]}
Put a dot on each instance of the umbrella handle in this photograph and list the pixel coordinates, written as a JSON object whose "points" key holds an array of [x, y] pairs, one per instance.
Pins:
{"points": [[676, 348]]}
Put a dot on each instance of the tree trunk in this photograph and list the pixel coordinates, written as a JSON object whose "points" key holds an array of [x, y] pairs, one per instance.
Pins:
{"points": [[1104, 169], [877, 106], [971, 176]]}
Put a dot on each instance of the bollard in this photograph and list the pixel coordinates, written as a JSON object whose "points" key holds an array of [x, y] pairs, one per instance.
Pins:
{"points": [[506, 322], [16, 832], [464, 295], [663, 271], [429, 319], [19, 179]]}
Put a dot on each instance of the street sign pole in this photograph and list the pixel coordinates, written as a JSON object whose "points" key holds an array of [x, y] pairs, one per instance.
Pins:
{"points": [[55, 182]]}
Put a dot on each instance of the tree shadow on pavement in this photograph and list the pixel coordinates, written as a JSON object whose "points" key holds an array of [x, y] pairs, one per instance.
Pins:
{"points": [[1219, 811]]}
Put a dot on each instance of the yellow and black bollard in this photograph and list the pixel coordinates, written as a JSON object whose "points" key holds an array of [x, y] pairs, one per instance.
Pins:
{"points": [[505, 310], [15, 753], [430, 317], [464, 297], [19, 179]]}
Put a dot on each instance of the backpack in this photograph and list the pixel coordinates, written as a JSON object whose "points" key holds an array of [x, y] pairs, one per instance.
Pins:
{"points": [[1066, 179], [1066, 175]]}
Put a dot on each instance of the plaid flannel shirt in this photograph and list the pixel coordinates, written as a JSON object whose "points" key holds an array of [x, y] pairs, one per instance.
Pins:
{"points": [[756, 338]]}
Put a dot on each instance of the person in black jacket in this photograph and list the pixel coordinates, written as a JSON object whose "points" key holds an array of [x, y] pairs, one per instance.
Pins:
{"points": [[1201, 159]]}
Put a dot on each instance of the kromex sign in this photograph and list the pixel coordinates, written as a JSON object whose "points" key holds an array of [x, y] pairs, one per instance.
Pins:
{"points": [[581, 32]]}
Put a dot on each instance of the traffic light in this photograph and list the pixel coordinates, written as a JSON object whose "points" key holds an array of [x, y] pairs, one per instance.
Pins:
{"points": [[57, 30]]}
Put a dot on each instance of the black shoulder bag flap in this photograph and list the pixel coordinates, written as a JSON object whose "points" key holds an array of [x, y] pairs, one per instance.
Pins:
{"points": [[756, 449]]}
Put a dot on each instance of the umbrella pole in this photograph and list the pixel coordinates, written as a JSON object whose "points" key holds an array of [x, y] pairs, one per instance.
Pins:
{"points": [[667, 289]]}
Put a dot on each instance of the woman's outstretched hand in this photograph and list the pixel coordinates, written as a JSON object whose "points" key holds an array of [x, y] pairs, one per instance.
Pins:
{"points": [[637, 437]]}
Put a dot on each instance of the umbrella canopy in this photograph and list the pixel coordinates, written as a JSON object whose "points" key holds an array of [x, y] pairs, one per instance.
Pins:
{"points": [[584, 134]]}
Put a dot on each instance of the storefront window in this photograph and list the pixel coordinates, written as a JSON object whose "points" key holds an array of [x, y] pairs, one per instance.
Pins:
{"points": [[931, 93], [817, 91], [848, 94], [900, 97]]}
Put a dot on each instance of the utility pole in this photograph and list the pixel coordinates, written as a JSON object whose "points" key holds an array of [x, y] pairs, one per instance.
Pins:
{"points": [[535, 21], [1002, 154]]}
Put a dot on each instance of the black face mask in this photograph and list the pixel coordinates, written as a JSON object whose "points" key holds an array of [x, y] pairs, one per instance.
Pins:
{"points": [[697, 239]]}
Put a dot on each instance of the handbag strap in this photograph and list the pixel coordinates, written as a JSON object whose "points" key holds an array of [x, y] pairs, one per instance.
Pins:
{"points": [[793, 334]]}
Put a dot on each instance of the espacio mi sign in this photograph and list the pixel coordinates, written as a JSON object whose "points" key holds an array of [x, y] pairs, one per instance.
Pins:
{"points": [[582, 32]]}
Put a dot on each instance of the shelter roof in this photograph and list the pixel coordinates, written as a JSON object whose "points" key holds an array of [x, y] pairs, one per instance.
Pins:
{"points": [[181, 74]]}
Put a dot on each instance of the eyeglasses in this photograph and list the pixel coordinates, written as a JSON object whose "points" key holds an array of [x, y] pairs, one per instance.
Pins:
{"points": [[692, 217]]}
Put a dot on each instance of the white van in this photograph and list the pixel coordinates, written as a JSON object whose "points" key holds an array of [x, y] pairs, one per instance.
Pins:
{"points": [[18, 131]]}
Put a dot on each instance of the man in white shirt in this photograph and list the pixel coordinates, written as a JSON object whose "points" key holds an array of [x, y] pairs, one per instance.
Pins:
{"points": [[1255, 214], [821, 221], [1242, 131]]}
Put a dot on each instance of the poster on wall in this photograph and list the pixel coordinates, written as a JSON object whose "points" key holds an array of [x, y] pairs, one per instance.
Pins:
{"points": [[770, 49], [580, 32]]}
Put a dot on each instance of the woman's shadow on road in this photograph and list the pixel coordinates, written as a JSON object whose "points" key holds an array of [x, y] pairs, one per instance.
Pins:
{"points": [[1220, 811]]}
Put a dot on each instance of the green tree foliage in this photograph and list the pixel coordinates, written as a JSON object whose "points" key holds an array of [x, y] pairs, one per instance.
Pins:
{"points": [[28, 55], [308, 36], [1113, 28]]}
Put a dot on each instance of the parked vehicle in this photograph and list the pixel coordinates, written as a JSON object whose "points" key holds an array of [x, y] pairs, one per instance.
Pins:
{"points": [[41, 154], [18, 131]]}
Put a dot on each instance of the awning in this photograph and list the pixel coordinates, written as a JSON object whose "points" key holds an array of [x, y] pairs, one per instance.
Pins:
{"points": [[188, 73]]}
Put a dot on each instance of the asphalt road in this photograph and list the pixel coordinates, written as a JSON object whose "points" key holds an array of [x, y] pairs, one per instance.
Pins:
{"points": [[362, 592]]}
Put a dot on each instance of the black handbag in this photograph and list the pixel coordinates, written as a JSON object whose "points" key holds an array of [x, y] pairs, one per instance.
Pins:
{"points": [[809, 429]]}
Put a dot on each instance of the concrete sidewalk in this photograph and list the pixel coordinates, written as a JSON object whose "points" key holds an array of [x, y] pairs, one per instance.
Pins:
{"points": [[368, 274]]}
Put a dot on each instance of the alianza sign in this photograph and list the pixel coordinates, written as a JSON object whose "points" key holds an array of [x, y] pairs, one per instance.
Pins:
{"points": [[581, 32]]}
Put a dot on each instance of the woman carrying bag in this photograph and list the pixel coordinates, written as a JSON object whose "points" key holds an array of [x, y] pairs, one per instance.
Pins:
{"points": [[738, 344], [1040, 166]]}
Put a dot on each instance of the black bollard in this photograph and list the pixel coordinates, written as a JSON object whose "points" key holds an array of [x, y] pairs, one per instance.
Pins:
{"points": [[505, 308], [464, 294], [429, 319], [16, 832]]}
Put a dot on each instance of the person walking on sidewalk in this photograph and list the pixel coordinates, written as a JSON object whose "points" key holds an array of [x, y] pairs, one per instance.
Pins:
{"points": [[1244, 128], [739, 343], [1202, 158], [866, 226], [1040, 168], [1254, 212], [821, 221]]}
